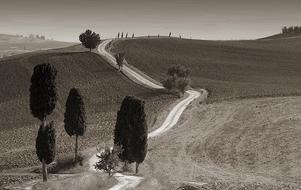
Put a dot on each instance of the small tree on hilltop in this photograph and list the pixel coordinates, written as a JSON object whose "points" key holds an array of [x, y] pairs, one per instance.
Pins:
{"points": [[131, 131], [75, 116], [45, 146], [89, 39], [43, 92], [119, 59]]}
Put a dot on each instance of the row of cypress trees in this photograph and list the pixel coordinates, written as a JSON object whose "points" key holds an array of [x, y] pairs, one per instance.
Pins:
{"points": [[43, 98], [130, 131]]}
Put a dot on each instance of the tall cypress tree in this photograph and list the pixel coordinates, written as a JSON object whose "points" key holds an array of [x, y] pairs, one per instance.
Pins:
{"points": [[45, 146], [138, 128], [43, 97], [43, 92], [131, 131], [75, 116]]}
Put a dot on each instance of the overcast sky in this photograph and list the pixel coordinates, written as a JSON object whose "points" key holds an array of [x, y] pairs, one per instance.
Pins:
{"points": [[202, 19]]}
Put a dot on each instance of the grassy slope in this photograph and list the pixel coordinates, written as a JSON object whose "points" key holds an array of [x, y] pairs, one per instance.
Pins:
{"points": [[282, 36], [226, 68], [102, 87], [240, 144]]}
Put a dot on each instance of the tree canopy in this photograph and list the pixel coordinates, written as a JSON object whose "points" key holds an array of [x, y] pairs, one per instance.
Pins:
{"points": [[75, 115], [89, 39], [131, 130], [43, 92], [45, 143]]}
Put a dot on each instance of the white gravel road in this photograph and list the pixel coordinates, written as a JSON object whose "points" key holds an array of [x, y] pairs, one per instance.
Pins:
{"points": [[128, 181]]}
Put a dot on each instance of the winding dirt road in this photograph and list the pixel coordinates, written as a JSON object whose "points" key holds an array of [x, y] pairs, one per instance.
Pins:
{"points": [[127, 181]]}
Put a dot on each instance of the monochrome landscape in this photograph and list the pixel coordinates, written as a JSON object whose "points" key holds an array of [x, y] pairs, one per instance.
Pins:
{"points": [[171, 95]]}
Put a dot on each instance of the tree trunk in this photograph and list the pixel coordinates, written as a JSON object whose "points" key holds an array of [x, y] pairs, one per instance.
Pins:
{"points": [[137, 167], [44, 170], [76, 146], [125, 167], [44, 122], [90, 49]]}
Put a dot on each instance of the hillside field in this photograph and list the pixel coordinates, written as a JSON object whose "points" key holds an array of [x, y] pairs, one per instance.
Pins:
{"points": [[227, 69], [103, 89]]}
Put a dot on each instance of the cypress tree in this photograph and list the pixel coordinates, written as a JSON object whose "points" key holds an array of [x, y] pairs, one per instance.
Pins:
{"points": [[43, 92], [75, 116], [138, 128], [131, 131], [43, 97], [45, 146]]}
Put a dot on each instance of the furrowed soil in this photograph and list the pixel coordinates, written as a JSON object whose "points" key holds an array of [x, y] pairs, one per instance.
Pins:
{"points": [[102, 87], [227, 69]]}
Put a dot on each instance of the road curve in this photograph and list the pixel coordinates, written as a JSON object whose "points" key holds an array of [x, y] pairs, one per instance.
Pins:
{"points": [[127, 181], [130, 73]]}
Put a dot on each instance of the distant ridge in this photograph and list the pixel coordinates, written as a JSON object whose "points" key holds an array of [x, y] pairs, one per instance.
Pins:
{"points": [[281, 36]]}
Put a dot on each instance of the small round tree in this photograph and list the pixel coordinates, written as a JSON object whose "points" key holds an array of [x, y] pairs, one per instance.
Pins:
{"points": [[89, 39], [177, 79], [45, 146], [119, 59], [43, 92], [75, 116], [108, 159]]}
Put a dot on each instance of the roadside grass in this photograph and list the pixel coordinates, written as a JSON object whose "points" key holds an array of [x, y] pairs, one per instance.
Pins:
{"points": [[227, 69]]}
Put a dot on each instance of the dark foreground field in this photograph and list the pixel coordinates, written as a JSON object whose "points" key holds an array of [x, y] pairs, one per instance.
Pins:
{"points": [[227, 69], [103, 89]]}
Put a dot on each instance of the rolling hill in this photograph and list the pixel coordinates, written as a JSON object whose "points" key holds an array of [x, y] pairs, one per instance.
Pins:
{"points": [[14, 44], [227, 69], [103, 89]]}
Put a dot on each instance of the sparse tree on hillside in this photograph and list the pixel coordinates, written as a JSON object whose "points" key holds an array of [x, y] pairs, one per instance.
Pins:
{"points": [[45, 146], [89, 39], [177, 79], [126, 36], [122, 35], [119, 59], [169, 34], [131, 131], [133, 35], [75, 117], [284, 30], [43, 92], [118, 35], [108, 159]]}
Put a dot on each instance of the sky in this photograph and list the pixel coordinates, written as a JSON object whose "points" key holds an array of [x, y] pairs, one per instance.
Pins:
{"points": [[200, 19]]}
